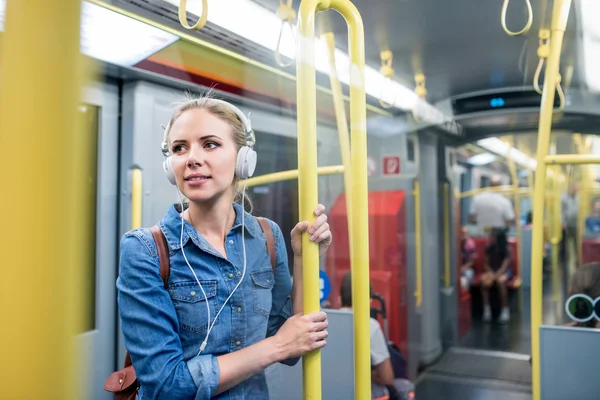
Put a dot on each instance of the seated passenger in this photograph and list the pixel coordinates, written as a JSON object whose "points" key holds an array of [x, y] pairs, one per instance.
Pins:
{"points": [[592, 223], [469, 255], [497, 260], [586, 281], [382, 375]]}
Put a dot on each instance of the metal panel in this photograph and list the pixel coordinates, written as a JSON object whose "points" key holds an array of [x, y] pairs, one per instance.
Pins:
{"points": [[568, 361], [96, 346], [337, 364]]}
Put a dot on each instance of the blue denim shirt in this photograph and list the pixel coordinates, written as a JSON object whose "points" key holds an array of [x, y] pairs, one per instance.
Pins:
{"points": [[163, 329]]}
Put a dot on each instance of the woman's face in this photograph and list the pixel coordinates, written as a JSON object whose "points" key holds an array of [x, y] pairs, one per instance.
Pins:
{"points": [[203, 155]]}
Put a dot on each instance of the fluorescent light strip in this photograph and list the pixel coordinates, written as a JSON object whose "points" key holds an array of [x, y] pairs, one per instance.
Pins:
{"points": [[482, 159], [114, 38], [590, 10], [502, 148], [256, 23]]}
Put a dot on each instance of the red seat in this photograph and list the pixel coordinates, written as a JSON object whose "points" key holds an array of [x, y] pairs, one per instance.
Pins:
{"points": [[478, 265]]}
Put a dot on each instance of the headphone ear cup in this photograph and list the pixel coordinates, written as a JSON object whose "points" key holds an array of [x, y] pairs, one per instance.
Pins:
{"points": [[246, 163], [169, 171]]}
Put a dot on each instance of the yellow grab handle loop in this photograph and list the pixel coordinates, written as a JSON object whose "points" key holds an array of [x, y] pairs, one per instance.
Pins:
{"points": [[387, 71], [543, 52], [420, 91], [286, 13], [183, 15], [529, 19]]}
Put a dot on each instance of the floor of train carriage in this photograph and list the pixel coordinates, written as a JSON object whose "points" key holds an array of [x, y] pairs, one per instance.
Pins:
{"points": [[492, 361]]}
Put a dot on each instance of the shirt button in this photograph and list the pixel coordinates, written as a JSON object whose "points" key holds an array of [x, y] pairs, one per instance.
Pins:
{"points": [[192, 293], [239, 309], [230, 276], [230, 241], [238, 343]]}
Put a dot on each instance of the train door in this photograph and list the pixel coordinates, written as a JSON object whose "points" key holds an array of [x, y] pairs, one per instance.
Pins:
{"points": [[99, 111]]}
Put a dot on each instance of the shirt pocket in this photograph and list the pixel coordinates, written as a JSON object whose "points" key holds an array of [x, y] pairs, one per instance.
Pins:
{"points": [[262, 283], [192, 307]]}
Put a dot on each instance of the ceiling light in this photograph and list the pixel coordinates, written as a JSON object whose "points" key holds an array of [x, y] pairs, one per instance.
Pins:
{"points": [[482, 159], [254, 22], [114, 38]]}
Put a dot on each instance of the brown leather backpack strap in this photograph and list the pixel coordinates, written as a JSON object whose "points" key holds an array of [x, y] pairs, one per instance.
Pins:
{"points": [[266, 227], [163, 254]]}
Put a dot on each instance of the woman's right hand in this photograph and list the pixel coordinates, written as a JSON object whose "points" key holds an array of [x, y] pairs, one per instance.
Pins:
{"points": [[301, 334]]}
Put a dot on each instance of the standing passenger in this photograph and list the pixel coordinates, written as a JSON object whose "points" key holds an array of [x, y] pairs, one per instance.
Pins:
{"points": [[226, 314], [570, 207], [492, 209]]}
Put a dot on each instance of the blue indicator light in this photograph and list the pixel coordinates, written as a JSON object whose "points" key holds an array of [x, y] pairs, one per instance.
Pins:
{"points": [[497, 102]]}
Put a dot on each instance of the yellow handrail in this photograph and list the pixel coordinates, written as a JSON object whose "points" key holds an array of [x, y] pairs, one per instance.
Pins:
{"points": [[136, 198], [290, 175], [572, 159], [418, 265], [307, 180], [503, 189], [38, 330], [559, 21], [183, 15], [342, 126], [447, 263]]}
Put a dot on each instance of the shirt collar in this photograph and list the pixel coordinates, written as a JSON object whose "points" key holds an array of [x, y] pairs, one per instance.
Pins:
{"points": [[171, 226]]}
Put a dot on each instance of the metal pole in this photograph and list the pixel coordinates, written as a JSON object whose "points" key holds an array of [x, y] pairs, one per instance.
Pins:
{"points": [[40, 89], [559, 21]]}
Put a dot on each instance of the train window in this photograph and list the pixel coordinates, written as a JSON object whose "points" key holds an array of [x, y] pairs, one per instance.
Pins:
{"points": [[410, 149], [88, 160], [278, 200]]}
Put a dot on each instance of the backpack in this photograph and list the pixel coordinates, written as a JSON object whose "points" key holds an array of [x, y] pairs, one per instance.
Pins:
{"points": [[123, 383]]}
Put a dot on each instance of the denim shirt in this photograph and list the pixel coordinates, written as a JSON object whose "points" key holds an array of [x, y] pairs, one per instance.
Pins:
{"points": [[163, 328]]}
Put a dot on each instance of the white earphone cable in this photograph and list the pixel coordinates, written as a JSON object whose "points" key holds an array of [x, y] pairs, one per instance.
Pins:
{"points": [[210, 325]]}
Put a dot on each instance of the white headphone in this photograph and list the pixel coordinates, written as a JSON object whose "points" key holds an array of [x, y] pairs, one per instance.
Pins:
{"points": [[246, 156]]}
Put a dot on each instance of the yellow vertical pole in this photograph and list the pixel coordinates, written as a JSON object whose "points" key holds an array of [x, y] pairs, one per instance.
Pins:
{"points": [[359, 253], [342, 126], [559, 21], [447, 261], [515, 179], [38, 105], [136, 198], [307, 181], [556, 235], [418, 265]]}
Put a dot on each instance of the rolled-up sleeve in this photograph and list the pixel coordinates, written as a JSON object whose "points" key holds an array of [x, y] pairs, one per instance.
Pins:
{"points": [[282, 307], [151, 329]]}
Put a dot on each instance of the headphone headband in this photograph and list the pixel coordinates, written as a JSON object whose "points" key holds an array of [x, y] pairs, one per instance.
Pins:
{"points": [[250, 138]]}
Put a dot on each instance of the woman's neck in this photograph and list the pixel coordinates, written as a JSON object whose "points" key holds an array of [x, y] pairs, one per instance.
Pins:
{"points": [[211, 220]]}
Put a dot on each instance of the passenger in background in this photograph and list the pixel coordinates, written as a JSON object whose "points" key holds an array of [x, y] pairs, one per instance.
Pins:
{"points": [[592, 222], [228, 311], [586, 281], [382, 375], [492, 209], [497, 272], [469, 255], [570, 209]]}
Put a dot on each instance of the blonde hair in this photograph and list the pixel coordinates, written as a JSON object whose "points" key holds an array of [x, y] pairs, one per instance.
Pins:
{"points": [[221, 111]]}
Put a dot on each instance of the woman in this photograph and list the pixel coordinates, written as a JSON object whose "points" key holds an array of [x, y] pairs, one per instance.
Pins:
{"points": [[497, 260], [226, 314]]}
